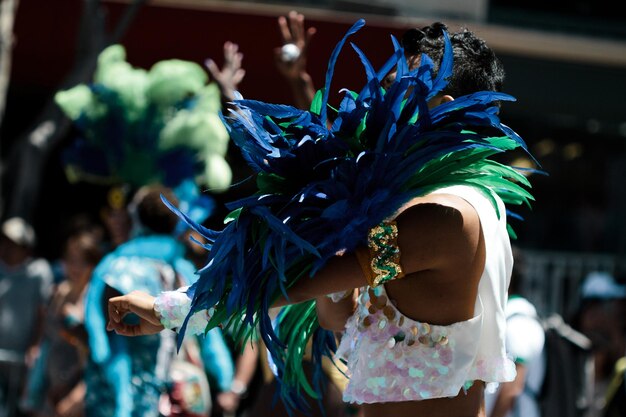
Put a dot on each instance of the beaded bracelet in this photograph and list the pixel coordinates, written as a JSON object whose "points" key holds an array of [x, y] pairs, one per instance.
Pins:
{"points": [[380, 261], [172, 307]]}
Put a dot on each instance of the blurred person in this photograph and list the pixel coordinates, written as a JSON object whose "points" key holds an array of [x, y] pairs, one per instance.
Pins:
{"points": [[600, 317], [422, 316], [127, 377], [525, 341], [25, 286], [56, 384], [115, 216], [238, 397]]}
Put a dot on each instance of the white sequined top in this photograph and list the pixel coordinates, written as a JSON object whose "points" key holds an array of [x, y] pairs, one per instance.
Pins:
{"points": [[391, 357]]}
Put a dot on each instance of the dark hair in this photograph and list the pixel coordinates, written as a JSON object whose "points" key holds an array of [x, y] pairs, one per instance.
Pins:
{"points": [[152, 213], [475, 65], [88, 244]]}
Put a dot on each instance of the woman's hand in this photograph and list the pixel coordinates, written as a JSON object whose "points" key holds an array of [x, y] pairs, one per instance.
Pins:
{"points": [[231, 74], [136, 302], [291, 57], [292, 32]]}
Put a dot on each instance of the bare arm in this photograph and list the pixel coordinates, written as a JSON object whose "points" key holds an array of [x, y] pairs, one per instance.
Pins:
{"points": [[245, 367], [333, 315], [508, 393], [435, 232]]}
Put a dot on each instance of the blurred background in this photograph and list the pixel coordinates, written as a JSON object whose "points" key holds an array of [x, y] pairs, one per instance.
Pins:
{"points": [[565, 62]]}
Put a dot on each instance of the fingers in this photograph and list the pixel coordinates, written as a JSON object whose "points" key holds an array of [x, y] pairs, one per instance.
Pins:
{"points": [[309, 34], [292, 29], [143, 328], [232, 56], [296, 26], [239, 74], [213, 68], [118, 307], [285, 32], [124, 329]]}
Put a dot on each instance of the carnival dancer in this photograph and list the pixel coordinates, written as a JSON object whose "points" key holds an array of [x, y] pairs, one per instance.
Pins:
{"points": [[156, 132], [396, 211]]}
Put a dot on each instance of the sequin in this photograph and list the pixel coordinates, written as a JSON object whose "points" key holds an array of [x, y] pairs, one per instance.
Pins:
{"points": [[389, 312], [380, 302], [407, 393], [371, 293], [385, 254], [394, 358], [425, 394], [174, 306]]}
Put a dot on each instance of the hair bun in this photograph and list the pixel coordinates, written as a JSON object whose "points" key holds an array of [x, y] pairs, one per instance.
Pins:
{"points": [[435, 30], [411, 40]]}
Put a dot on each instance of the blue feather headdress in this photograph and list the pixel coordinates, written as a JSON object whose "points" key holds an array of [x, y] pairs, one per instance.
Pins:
{"points": [[321, 188]]}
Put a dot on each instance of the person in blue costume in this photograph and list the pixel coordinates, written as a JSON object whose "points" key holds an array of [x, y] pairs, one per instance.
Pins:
{"points": [[385, 219], [126, 377]]}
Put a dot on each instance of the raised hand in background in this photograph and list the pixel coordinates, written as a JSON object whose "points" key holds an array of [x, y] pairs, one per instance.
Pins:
{"points": [[291, 57], [231, 73]]}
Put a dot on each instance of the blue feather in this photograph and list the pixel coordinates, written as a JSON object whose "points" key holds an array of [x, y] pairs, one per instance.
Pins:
{"points": [[331, 65]]}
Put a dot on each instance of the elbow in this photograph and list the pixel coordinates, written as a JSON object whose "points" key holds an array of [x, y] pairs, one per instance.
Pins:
{"points": [[333, 315], [331, 325]]}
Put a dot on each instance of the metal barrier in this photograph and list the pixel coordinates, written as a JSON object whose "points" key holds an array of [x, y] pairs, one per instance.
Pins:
{"points": [[552, 280]]}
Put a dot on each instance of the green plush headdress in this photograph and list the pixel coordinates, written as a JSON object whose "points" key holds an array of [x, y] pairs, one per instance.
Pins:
{"points": [[141, 126]]}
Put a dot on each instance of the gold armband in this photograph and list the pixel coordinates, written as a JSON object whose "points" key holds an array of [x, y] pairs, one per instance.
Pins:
{"points": [[380, 261]]}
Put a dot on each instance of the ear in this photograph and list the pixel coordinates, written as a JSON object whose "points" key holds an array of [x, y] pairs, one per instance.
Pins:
{"points": [[446, 98], [439, 99]]}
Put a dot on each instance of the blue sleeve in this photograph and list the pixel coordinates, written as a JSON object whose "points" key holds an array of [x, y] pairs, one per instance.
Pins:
{"points": [[218, 361], [186, 270], [94, 316]]}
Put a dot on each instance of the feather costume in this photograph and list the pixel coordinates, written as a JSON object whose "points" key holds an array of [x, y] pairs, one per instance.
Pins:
{"points": [[140, 127], [320, 189]]}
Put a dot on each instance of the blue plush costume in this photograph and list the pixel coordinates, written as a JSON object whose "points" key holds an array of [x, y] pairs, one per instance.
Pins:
{"points": [[122, 374]]}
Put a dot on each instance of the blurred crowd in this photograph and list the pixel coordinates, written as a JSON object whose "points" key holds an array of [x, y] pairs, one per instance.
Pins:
{"points": [[55, 360]]}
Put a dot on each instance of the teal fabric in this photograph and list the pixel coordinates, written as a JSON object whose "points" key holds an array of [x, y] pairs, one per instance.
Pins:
{"points": [[218, 361], [120, 375]]}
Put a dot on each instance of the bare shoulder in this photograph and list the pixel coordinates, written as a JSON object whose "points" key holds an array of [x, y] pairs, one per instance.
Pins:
{"points": [[437, 230], [444, 201]]}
